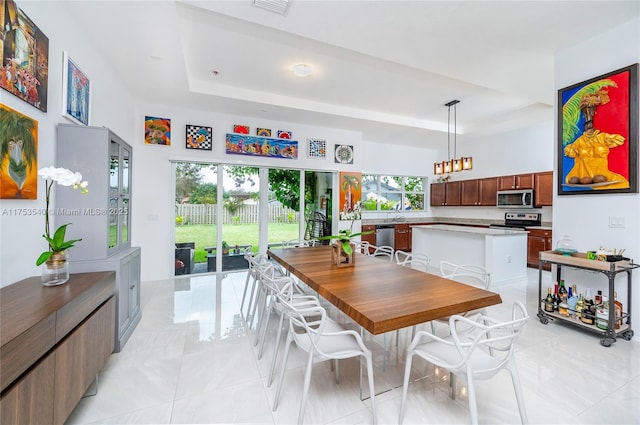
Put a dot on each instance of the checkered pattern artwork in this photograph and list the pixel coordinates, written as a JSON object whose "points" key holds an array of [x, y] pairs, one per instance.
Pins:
{"points": [[317, 148], [199, 137]]}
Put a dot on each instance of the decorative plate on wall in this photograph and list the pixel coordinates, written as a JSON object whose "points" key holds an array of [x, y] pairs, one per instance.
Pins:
{"points": [[264, 132], [199, 137], [317, 148], [343, 154], [283, 134]]}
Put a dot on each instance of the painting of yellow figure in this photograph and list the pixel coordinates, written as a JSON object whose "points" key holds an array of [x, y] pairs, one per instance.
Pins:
{"points": [[18, 155], [599, 127]]}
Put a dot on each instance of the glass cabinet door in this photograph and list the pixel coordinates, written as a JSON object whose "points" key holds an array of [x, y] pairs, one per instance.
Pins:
{"points": [[119, 195]]}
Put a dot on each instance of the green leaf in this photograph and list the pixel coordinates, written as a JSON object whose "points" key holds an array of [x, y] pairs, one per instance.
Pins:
{"points": [[43, 257]]}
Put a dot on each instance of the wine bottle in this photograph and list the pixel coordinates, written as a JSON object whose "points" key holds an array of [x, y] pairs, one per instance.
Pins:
{"points": [[580, 306], [556, 297], [548, 301], [587, 315], [602, 314], [572, 300], [562, 290]]}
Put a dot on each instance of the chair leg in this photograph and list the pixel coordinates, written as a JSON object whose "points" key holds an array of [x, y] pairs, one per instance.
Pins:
{"points": [[405, 384], [254, 307], [275, 351], [471, 392], [515, 378], [265, 328], [262, 299], [285, 357], [305, 388], [246, 287], [337, 372], [252, 294]]}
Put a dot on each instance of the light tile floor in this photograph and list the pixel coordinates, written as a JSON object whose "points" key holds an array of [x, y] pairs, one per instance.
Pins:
{"points": [[192, 360]]}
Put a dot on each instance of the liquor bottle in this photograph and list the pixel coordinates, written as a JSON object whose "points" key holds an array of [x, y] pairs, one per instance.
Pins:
{"points": [[563, 308], [602, 314], [587, 315], [562, 290], [598, 298], [572, 300], [580, 306], [618, 311], [556, 297], [548, 301]]}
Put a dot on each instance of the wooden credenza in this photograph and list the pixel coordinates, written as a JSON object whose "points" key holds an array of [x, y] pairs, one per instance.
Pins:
{"points": [[53, 342]]}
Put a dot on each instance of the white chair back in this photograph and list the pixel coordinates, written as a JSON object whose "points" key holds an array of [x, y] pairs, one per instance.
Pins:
{"points": [[383, 251], [466, 273]]}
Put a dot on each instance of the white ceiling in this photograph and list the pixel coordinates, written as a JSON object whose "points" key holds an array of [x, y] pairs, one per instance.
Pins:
{"points": [[385, 68]]}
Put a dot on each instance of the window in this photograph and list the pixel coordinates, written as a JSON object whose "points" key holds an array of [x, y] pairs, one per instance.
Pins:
{"points": [[393, 193]]}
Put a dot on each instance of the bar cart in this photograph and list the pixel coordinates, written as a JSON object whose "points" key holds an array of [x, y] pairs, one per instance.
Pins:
{"points": [[579, 261]]}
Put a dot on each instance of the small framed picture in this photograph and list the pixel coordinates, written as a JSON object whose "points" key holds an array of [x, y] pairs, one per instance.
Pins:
{"points": [[199, 137], [241, 129], [157, 131], [317, 148], [76, 92], [284, 134], [343, 154], [264, 132]]}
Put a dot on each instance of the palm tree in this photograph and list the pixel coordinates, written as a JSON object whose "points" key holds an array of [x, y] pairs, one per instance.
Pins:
{"points": [[17, 142]]}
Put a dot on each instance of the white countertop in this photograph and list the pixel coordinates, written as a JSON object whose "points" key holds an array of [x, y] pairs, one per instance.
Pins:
{"points": [[469, 229]]}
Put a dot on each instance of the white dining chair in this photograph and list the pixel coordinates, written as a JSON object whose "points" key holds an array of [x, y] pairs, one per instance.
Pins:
{"points": [[401, 256], [485, 347], [323, 339], [383, 251], [470, 274], [416, 260], [250, 281]]}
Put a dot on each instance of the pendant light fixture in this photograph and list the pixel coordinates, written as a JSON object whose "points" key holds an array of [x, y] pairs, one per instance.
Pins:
{"points": [[452, 164]]}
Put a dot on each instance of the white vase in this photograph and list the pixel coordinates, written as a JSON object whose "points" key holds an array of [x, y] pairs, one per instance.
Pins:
{"points": [[55, 271]]}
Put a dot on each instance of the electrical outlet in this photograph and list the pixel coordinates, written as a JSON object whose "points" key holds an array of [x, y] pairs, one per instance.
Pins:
{"points": [[617, 222]]}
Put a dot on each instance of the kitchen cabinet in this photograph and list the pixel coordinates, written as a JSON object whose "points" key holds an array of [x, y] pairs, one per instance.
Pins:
{"points": [[402, 237], [445, 194], [518, 181], [539, 240], [543, 189], [371, 237], [615, 327], [101, 217], [479, 192]]}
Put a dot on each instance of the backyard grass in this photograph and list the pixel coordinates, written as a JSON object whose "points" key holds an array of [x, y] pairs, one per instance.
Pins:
{"points": [[204, 235]]}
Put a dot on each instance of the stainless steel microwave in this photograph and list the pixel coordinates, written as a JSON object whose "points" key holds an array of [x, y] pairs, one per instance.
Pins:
{"points": [[515, 198]]}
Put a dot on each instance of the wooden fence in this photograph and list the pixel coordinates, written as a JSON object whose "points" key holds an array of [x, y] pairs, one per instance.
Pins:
{"points": [[246, 214]]}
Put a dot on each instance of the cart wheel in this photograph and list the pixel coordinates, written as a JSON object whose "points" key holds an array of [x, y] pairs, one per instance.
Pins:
{"points": [[627, 335], [606, 342], [543, 319]]}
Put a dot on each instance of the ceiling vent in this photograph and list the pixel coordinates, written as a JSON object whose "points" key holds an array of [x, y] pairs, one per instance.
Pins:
{"points": [[277, 6]]}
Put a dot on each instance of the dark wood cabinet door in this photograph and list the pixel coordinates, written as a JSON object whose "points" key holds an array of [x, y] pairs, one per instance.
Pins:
{"points": [[371, 237], [543, 189], [525, 181], [401, 237], [506, 182], [438, 191], [538, 240], [487, 189], [470, 192], [452, 194]]}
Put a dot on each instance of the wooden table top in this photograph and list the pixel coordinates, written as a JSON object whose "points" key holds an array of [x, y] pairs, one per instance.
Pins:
{"points": [[381, 296]]}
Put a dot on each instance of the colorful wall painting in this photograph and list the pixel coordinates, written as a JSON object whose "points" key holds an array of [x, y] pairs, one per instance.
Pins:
{"points": [[18, 155], [242, 129], [25, 56], [264, 132], [157, 131], [317, 148], [238, 144], [199, 137], [350, 193], [598, 134], [284, 134], [76, 92]]}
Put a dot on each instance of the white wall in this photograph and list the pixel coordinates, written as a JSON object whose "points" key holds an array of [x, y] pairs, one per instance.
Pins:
{"points": [[585, 218], [20, 235]]}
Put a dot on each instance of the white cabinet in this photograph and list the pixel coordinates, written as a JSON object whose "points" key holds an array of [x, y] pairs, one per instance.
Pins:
{"points": [[101, 217]]}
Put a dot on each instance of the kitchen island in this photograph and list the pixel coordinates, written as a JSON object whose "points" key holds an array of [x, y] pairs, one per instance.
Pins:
{"points": [[503, 252]]}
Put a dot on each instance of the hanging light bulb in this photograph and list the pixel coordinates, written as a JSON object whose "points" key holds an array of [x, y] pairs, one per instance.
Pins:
{"points": [[452, 164]]}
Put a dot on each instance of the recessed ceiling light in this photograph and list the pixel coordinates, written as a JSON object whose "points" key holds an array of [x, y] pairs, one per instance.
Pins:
{"points": [[302, 69]]}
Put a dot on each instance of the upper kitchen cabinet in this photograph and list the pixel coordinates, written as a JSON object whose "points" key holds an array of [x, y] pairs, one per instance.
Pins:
{"points": [[519, 181], [101, 217], [543, 189], [446, 194], [479, 192]]}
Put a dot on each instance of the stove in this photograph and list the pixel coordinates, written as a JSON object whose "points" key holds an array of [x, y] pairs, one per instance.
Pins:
{"points": [[519, 221]]}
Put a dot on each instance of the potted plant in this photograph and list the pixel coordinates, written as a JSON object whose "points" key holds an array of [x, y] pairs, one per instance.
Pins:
{"points": [[343, 247], [225, 248]]}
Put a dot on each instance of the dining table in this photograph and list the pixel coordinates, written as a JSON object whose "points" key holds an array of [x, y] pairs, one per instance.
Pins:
{"points": [[378, 295], [381, 296]]}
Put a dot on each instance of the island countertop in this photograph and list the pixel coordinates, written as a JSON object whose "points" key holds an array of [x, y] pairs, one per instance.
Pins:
{"points": [[470, 229]]}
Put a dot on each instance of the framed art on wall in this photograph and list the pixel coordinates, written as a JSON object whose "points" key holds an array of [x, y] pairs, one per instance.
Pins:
{"points": [[76, 92], [157, 131], [343, 154], [18, 155], [317, 148], [199, 137], [598, 134], [24, 69]]}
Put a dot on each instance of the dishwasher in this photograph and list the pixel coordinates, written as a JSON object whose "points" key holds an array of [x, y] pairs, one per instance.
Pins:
{"points": [[385, 235]]}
